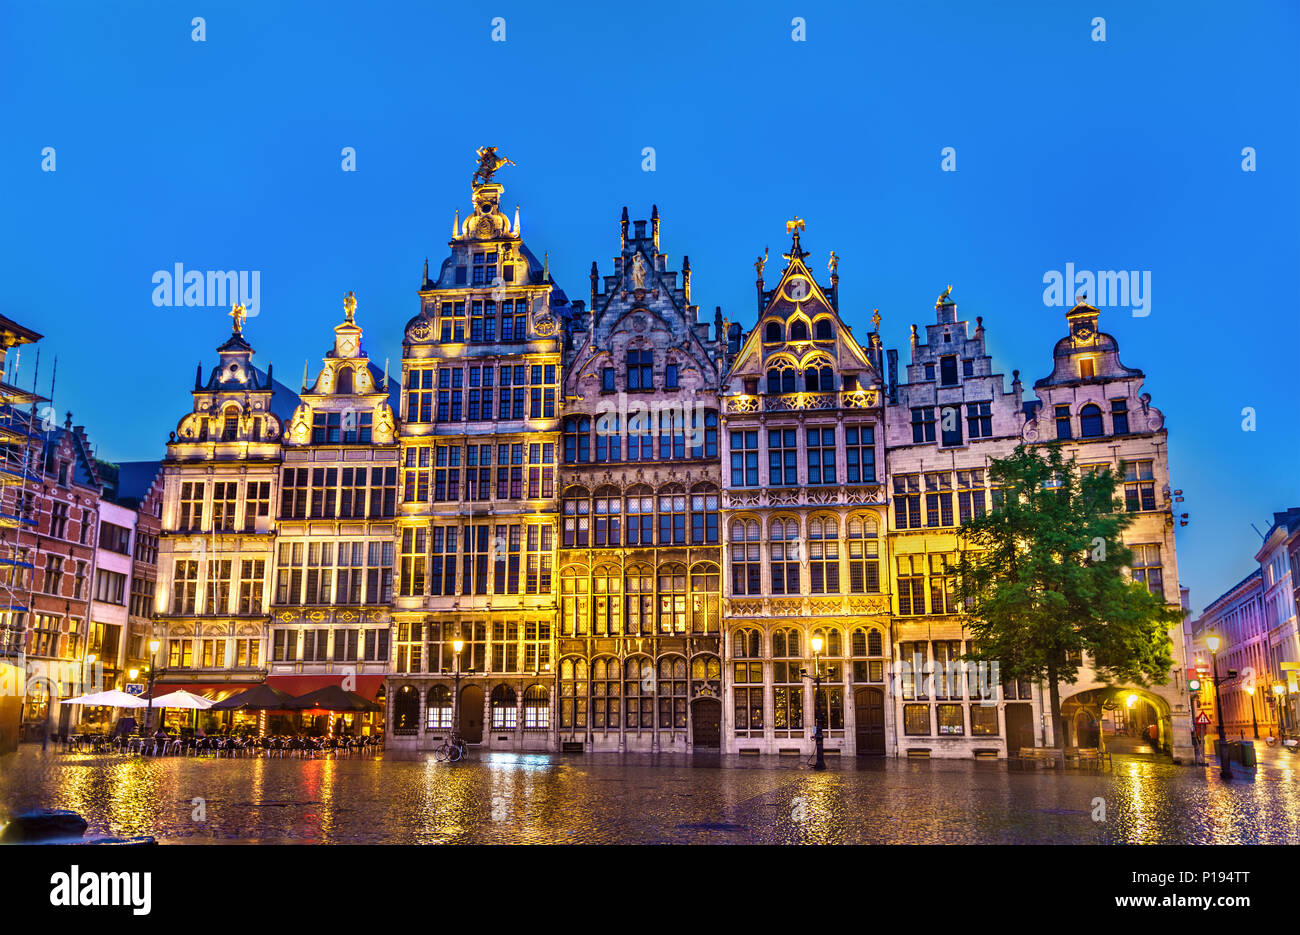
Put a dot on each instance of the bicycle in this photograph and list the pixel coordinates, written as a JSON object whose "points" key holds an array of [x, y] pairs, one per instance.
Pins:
{"points": [[451, 750]]}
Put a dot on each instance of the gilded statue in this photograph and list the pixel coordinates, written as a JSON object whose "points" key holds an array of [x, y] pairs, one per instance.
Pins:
{"points": [[488, 164]]}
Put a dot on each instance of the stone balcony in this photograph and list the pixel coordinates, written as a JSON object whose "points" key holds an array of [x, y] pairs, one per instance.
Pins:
{"points": [[804, 402], [856, 495]]}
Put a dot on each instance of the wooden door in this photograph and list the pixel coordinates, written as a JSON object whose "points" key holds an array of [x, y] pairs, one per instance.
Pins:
{"points": [[869, 716], [471, 714], [706, 723]]}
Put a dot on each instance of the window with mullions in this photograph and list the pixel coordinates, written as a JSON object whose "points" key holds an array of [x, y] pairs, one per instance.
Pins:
{"points": [[542, 386], [819, 380], [383, 492], [452, 322], [1091, 424], [823, 556], [1119, 416], [704, 515], [225, 497], [639, 620], [413, 561], [607, 600], [478, 472], [911, 585], [320, 573], [860, 453], [746, 558], [294, 492], [787, 679], [608, 507], [943, 585], [780, 380], [576, 530], [539, 558], [865, 643], [1147, 567], [747, 683], [640, 370], [484, 269], [419, 395], [785, 549], [479, 399], [609, 440], [672, 516], [446, 481], [575, 601], [923, 424], [577, 440], [672, 600], [606, 693], [350, 572], [705, 598], [821, 455], [864, 555], [970, 494], [704, 438], [573, 692], [783, 457], [1139, 486], [640, 516], [438, 712], [185, 583], [640, 437], [907, 501], [508, 551], [946, 671], [442, 559], [639, 692], [257, 502], [744, 459], [216, 593], [1063, 422], [938, 499], [979, 420], [672, 435], [512, 392], [914, 672], [670, 688], [505, 708], [541, 470]]}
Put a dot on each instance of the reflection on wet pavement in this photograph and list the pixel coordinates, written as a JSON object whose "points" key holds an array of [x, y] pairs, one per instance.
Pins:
{"points": [[514, 798]]}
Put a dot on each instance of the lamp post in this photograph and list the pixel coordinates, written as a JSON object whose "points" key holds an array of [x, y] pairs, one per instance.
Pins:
{"points": [[1254, 722], [153, 669], [456, 647], [1225, 767], [1279, 690], [816, 643]]}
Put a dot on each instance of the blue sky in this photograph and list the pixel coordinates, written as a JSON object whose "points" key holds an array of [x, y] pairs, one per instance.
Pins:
{"points": [[225, 154]]}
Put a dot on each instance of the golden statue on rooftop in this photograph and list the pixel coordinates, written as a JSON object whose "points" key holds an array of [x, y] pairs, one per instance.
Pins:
{"points": [[796, 224], [350, 305], [488, 164], [238, 314]]}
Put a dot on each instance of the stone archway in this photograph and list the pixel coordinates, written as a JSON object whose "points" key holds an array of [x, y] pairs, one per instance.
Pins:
{"points": [[1119, 719]]}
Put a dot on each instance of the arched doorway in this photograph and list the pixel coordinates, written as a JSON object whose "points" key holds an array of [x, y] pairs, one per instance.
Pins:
{"points": [[471, 714], [406, 710], [706, 724], [1121, 720], [869, 721]]}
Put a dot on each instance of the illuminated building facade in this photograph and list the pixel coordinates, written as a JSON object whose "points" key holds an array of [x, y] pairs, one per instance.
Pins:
{"points": [[475, 538], [1237, 618], [335, 527], [946, 420], [639, 586], [1094, 406], [216, 550], [804, 526]]}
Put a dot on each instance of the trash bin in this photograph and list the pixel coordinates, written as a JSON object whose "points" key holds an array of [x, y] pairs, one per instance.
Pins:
{"points": [[1246, 753]]}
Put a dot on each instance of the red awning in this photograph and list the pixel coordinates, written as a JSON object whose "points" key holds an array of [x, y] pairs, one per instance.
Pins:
{"points": [[367, 686], [214, 690]]}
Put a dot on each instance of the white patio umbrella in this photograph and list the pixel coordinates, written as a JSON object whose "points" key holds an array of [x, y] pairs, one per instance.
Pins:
{"points": [[182, 699], [110, 699]]}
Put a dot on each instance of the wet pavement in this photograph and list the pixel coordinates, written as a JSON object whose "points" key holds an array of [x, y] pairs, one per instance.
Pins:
{"points": [[608, 799]]}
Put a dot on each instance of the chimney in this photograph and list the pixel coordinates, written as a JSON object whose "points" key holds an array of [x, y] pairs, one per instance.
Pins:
{"points": [[892, 354]]}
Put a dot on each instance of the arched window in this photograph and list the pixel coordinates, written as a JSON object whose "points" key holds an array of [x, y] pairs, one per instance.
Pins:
{"points": [[607, 585], [577, 440], [672, 515], [505, 708], [747, 644], [638, 692], [606, 693], [746, 561], [864, 555], [705, 598], [823, 556], [609, 510], [832, 641], [575, 603], [345, 381], [672, 599], [785, 556], [437, 713], [671, 689], [406, 710], [875, 643], [785, 643], [858, 642], [774, 381], [706, 668], [640, 515], [787, 679], [799, 331], [1090, 423], [640, 600], [537, 708], [577, 518], [772, 333], [824, 330], [230, 424], [573, 692]]}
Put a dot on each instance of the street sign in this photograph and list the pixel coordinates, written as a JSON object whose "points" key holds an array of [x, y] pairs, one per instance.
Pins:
{"points": [[134, 688], [1202, 718]]}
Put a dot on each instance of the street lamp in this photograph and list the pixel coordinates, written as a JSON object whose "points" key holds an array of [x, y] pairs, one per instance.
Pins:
{"points": [[1250, 690], [153, 668], [1278, 691], [1225, 767], [456, 647], [816, 643]]}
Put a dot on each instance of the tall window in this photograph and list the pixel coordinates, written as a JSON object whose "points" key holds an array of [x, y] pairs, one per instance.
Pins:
{"points": [[923, 424], [746, 563], [1090, 422], [1139, 486], [541, 470], [542, 391], [608, 505], [577, 519], [446, 478], [1119, 416], [413, 561], [419, 395], [744, 459], [185, 586], [671, 689], [704, 515], [442, 560], [784, 536], [782, 457], [938, 499], [577, 439], [1063, 422], [573, 692], [505, 708], [970, 494], [787, 709], [191, 507], [508, 548], [438, 710], [943, 586], [979, 420], [747, 676], [821, 455], [606, 693], [640, 370], [217, 599], [704, 442], [607, 601], [860, 453], [252, 574], [640, 516], [705, 595], [1147, 568], [672, 516], [911, 585], [537, 708], [864, 555], [640, 600], [257, 502], [609, 439], [575, 601], [539, 558], [672, 600], [638, 692], [823, 556]]}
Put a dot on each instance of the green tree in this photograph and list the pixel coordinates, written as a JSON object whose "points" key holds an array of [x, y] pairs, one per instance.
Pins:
{"points": [[1042, 580]]}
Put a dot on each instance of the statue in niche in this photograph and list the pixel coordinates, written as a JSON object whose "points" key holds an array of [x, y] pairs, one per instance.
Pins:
{"points": [[638, 272]]}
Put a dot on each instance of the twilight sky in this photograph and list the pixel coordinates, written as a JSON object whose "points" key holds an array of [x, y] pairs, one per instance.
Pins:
{"points": [[1118, 155]]}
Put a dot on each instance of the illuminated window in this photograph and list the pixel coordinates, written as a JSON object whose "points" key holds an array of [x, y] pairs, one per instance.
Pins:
{"points": [[784, 563], [505, 708], [746, 563], [573, 692], [823, 556], [537, 708], [438, 712], [671, 690], [638, 692]]}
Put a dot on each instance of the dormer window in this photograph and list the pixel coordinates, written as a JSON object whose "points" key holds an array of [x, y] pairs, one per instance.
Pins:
{"points": [[772, 333], [1087, 368], [825, 332], [799, 331], [345, 380], [230, 426], [948, 371]]}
